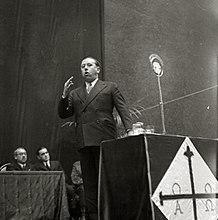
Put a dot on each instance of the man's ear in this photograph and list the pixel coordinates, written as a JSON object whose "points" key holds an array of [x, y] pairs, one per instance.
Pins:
{"points": [[38, 157], [98, 69]]}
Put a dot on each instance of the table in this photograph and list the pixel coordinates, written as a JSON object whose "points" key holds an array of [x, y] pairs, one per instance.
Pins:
{"points": [[33, 195]]}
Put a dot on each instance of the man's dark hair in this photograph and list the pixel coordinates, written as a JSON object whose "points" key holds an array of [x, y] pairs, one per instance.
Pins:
{"points": [[38, 149], [97, 63]]}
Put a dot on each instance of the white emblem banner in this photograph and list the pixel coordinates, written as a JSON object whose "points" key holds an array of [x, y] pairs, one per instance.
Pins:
{"points": [[188, 190]]}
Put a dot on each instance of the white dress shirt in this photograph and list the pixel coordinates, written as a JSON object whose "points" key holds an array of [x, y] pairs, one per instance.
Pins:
{"points": [[47, 164], [90, 85]]}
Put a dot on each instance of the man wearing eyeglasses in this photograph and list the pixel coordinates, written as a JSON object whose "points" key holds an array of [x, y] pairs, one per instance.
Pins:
{"points": [[20, 161]]}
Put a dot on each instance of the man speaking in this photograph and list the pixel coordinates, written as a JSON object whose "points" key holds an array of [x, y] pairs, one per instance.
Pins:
{"points": [[92, 106]]}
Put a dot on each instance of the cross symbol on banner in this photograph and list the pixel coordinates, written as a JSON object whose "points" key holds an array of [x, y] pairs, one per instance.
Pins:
{"points": [[188, 153], [175, 205]]}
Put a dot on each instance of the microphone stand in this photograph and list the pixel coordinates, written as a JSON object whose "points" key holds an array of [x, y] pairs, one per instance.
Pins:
{"points": [[161, 105], [157, 66]]}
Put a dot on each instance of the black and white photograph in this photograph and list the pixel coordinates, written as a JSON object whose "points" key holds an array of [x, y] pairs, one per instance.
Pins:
{"points": [[109, 110]]}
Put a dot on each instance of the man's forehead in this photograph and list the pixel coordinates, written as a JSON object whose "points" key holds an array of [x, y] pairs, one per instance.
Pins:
{"points": [[43, 150], [88, 60], [20, 150]]}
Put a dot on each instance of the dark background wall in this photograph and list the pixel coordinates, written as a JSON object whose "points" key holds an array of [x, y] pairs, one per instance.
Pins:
{"points": [[42, 43], [185, 34]]}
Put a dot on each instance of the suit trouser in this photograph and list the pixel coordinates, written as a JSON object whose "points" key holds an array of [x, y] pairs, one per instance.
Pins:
{"points": [[89, 158]]}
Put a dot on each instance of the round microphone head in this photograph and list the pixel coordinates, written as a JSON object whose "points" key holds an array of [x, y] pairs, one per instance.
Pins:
{"points": [[156, 64], [153, 56]]}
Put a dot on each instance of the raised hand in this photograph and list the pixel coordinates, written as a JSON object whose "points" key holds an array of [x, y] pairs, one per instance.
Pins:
{"points": [[67, 86]]}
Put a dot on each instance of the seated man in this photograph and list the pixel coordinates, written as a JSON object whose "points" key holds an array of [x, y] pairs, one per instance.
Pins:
{"points": [[20, 161], [44, 163]]}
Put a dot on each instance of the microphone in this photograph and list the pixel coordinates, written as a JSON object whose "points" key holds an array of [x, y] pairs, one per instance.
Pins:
{"points": [[156, 64]]}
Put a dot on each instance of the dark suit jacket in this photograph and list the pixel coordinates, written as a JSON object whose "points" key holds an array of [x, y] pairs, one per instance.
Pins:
{"points": [[16, 167], [54, 166], [94, 120]]}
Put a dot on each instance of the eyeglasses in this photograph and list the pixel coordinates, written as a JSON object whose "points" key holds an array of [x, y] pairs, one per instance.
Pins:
{"points": [[20, 154]]}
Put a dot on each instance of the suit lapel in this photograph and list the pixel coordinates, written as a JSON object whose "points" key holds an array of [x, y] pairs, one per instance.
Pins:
{"points": [[52, 165], [99, 86], [19, 167], [43, 166], [81, 93]]}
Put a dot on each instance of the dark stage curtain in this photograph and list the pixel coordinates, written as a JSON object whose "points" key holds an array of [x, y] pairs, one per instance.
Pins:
{"points": [[42, 43]]}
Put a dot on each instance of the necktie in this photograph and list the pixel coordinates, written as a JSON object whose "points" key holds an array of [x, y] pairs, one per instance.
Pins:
{"points": [[48, 167], [89, 87]]}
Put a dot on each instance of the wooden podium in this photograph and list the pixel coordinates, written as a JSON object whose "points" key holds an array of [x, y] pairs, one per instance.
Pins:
{"points": [[158, 177]]}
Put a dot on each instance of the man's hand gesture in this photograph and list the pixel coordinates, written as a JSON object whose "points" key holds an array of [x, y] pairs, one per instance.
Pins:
{"points": [[67, 86]]}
